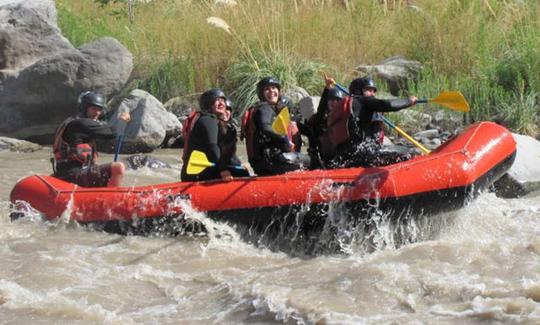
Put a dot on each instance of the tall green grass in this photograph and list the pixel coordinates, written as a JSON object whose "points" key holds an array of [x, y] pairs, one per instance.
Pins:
{"points": [[490, 50]]}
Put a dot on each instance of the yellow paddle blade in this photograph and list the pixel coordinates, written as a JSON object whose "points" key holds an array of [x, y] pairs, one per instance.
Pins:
{"points": [[282, 121], [453, 100], [197, 163]]}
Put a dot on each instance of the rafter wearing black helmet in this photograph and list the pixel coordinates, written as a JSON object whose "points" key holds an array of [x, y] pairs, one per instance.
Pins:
{"points": [[207, 99], [211, 132], [74, 146], [90, 98], [358, 86], [265, 82], [270, 152], [350, 134]]}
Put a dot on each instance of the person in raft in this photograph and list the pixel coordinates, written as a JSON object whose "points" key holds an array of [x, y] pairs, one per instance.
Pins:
{"points": [[352, 133], [317, 127], [269, 152], [74, 147], [212, 132]]}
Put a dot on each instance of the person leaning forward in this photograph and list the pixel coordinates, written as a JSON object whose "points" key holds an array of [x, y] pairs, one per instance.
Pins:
{"points": [[74, 147], [354, 129], [322, 131], [212, 132], [269, 152]]}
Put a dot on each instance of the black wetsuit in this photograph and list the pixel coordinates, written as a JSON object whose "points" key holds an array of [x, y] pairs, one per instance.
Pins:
{"points": [[364, 146], [218, 143], [272, 154], [315, 128]]}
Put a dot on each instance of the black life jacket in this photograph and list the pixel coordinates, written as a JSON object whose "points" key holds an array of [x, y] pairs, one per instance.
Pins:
{"points": [[248, 128], [84, 153]]}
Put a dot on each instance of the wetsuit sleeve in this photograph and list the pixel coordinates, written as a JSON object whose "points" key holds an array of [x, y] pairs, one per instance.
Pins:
{"points": [[84, 130], [97, 130], [206, 130], [383, 105], [264, 116], [323, 104]]}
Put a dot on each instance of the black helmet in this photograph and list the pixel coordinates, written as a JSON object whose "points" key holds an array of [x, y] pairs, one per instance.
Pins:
{"points": [[357, 85], [90, 98], [229, 104], [208, 97], [287, 102], [335, 93], [266, 81]]}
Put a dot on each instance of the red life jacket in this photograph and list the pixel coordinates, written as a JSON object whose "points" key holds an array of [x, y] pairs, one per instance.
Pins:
{"points": [[337, 127], [188, 125], [84, 153], [247, 132]]}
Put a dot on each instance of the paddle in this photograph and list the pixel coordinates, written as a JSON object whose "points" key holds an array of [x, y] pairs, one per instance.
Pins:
{"points": [[282, 121], [450, 99], [392, 125], [198, 162], [120, 130]]}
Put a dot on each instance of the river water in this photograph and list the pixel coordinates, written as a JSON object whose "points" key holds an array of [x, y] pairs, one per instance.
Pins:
{"points": [[478, 265]]}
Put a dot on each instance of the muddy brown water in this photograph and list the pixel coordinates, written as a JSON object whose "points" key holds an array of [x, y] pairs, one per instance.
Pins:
{"points": [[478, 265]]}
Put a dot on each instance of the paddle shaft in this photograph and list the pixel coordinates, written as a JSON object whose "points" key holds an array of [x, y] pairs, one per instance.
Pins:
{"points": [[393, 126], [405, 135], [118, 146], [119, 138]]}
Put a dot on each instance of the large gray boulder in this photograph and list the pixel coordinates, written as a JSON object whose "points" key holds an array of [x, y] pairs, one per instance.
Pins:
{"points": [[396, 71], [28, 32], [34, 101], [307, 106], [524, 175], [42, 74], [150, 123]]}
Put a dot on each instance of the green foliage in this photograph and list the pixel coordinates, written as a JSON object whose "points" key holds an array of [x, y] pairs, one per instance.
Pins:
{"points": [[80, 29], [521, 113], [243, 75], [170, 77], [489, 50]]}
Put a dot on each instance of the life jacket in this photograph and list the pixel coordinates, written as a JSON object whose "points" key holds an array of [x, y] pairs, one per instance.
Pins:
{"points": [[247, 131], [337, 124], [248, 128], [84, 153], [188, 125]]}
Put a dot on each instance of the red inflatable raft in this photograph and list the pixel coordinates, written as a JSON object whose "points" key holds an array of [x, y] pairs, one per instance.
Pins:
{"points": [[445, 179]]}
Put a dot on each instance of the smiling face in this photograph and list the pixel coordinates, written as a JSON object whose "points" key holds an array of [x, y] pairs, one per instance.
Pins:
{"points": [[219, 108], [271, 94]]}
